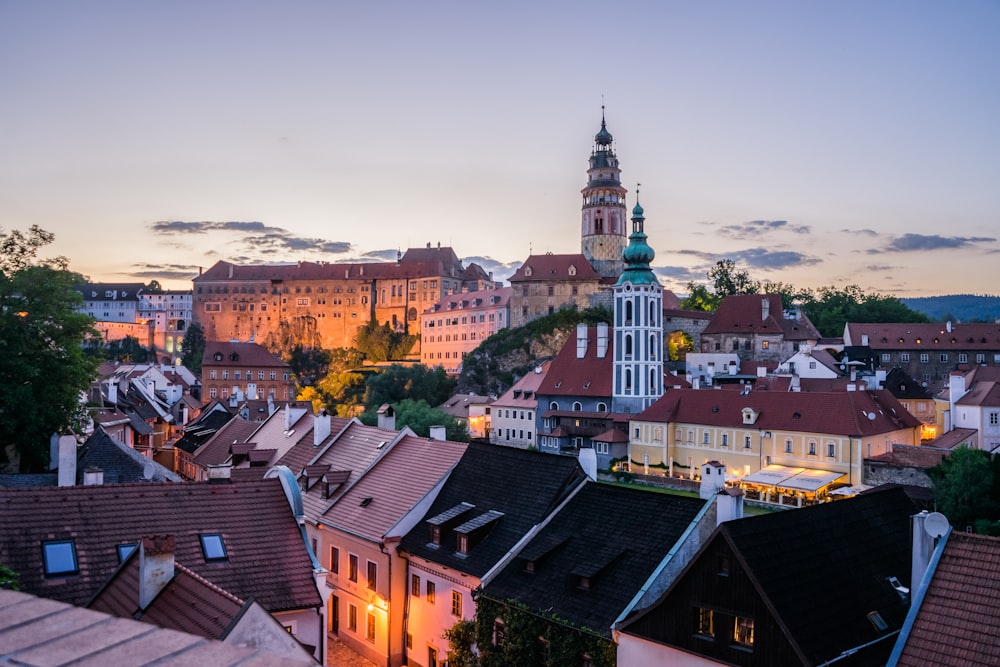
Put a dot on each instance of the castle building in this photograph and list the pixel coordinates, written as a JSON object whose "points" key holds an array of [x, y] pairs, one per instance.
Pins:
{"points": [[458, 323], [323, 304]]}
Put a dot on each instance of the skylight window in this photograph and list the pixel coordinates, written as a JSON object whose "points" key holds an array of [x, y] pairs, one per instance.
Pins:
{"points": [[213, 547], [60, 558], [124, 551]]}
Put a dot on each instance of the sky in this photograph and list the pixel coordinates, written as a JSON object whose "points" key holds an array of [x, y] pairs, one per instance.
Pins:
{"points": [[814, 143]]}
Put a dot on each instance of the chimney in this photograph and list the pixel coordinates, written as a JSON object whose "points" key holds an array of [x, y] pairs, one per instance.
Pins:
{"points": [[602, 339], [113, 392], [947, 326], [387, 418], [765, 308], [733, 368], [321, 428], [67, 460], [93, 476], [713, 479], [925, 530], [438, 433], [729, 505], [581, 340], [231, 268], [156, 566]]}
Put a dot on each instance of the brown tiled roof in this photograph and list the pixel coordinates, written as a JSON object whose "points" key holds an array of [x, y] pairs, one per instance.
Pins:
{"points": [[248, 354], [522, 393], [393, 485], [953, 438], [958, 621], [982, 394], [266, 555], [843, 413], [912, 456], [36, 632], [933, 336], [742, 313], [589, 376], [554, 267], [468, 301]]}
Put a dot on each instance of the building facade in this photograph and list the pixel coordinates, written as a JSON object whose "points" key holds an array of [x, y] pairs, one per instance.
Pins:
{"points": [[755, 327], [458, 323], [244, 370]]}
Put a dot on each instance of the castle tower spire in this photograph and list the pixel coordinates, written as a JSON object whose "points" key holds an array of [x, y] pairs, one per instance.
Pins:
{"points": [[603, 216]]}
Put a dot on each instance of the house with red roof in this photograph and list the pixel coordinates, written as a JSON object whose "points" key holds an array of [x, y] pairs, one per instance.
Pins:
{"points": [[458, 323], [755, 327], [547, 283], [245, 370], [784, 447], [512, 418]]}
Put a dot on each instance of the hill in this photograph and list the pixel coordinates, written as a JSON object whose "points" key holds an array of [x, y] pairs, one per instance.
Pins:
{"points": [[957, 307]]}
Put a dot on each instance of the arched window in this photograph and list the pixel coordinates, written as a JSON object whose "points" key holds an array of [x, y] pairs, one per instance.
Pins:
{"points": [[628, 311], [628, 380], [577, 406], [628, 346], [602, 407], [652, 381], [553, 406], [652, 346]]}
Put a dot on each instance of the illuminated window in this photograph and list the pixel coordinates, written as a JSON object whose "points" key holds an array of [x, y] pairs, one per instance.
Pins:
{"points": [[430, 592], [743, 631], [352, 618], [705, 622], [456, 603], [370, 628]]}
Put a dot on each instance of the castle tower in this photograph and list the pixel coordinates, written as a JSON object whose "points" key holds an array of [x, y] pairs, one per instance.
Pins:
{"points": [[603, 217], [638, 325]]}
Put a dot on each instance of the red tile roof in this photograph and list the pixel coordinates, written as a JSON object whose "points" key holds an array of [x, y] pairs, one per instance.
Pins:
{"points": [[982, 394], [522, 393], [743, 313], [267, 558], [933, 336], [589, 376], [958, 622], [953, 438], [851, 413], [247, 354], [554, 267], [913, 456]]}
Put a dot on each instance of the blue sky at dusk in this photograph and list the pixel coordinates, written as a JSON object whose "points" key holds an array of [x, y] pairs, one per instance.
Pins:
{"points": [[814, 143]]}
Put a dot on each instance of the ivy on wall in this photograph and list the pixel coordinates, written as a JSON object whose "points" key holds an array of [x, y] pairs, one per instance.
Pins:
{"points": [[531, 638]]}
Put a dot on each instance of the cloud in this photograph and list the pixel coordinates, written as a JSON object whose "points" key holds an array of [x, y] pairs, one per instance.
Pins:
{"points": [[386, 255], [163, 271], [262, 239], [918, 242], [866, 232], [754, 229], [500, 270], [167, 227], [679, 273], [880, 267], [757, 258]]}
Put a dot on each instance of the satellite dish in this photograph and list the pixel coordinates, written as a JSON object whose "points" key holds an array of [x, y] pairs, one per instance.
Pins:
{"points": [[148, 470], [936, 524]]}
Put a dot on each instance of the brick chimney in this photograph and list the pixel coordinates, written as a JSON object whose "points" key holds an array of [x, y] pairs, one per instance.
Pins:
{"points": [[156, 566]]}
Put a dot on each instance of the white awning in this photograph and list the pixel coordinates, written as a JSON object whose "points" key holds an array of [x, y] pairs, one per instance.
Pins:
{"points": [[796, 479]]}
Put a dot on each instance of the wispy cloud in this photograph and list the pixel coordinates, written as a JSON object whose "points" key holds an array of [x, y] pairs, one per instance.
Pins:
{"points": [[919, 242], [754, 229], [759, 258], [880, 267], [163, 271], [254, 238]]}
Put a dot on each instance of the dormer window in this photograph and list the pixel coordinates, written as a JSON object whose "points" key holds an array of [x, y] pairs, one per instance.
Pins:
{"points": [[217, 356], [436, 534]]}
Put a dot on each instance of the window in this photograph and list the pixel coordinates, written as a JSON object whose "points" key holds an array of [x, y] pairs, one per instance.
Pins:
{"points": [[372, 575], [924, 358], [225, 374], [352, 618], [60, 558], [415, 585], [704, 438], [980, 358], [274, 375], [746, 442], [456, 603], [764, 344], [963, 358], [601, 447], [260, 375], [370, 627], [499, 633], [124, 551], [704, 622], [352, 567], [213, 374], [725, 439], [886, 357], [213, 547], [994, 418], [430, 592], [904, 357], [743, 631], [944, 358], [812, 449], [432, 657], [831, 450], [334, 560], [788, 446]]}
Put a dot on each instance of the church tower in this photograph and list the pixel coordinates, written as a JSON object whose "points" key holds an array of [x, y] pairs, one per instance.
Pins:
{"points": [[603, 229], [638, 326]]}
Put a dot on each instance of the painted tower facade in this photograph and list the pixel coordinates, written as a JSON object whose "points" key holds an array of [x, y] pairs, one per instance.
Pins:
{"points": [[604, 215], [638, 326]]}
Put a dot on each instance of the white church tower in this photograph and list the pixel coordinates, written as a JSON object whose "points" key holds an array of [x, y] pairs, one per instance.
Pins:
{"points": [[638, 326]]}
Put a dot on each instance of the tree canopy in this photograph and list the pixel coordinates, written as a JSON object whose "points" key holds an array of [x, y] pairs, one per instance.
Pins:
{"points": [[379, 342], [43, 368], [420, 416], [965, 489], [193, 348]]}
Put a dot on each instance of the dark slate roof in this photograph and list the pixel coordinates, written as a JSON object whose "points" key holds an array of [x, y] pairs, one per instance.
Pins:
{"points": [[198, 432], [35, 632], [591, 537], [120, 463], [267, 558], [525, 486], [958, 621], [29, 480]]}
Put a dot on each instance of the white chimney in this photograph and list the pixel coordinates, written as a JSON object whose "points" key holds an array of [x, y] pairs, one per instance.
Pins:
{"points": [[387, 418], [581, 340], [112, 392], [733, 368], [156, 566], [713, 479], [765, 308], [322, 425], [67, 460], [438, 433], [588, 461], [729, 505], [947, 326], [93, 476], [220, 473], [602, 339], [925, 530]]}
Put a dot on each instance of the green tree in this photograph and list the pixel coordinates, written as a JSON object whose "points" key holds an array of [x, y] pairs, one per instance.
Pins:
{"points": [[43, 367], [420, 416], [193, 348], [339, 393], [127, 350], [9, 578], [461, 637], [830, 308], [700, 298], [729, 280], [308, 364], [963, 487], [417, 382], [379, 342], [153, 287]]}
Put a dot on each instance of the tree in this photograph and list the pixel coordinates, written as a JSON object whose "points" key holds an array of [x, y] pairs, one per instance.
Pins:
{"points": [[728, 280], [420, 416], [963, 487], [417, 382], [308, 364], [128, 350], [193, 348], [43, 367], [830, 308], [699, 298], [379, 342], [461, 637], [153, 287]]}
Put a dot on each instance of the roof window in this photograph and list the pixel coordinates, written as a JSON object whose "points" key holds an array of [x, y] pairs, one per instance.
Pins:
{"points": [[124, 551], [59, 557], [213, 547]]}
